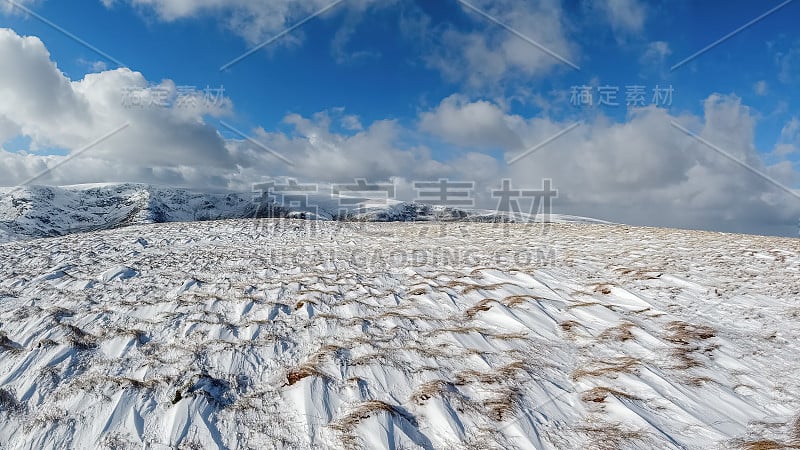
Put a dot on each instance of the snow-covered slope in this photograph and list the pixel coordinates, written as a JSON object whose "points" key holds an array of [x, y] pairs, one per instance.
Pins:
{"points": [[40, 211], [45, 211], [301, 334]]}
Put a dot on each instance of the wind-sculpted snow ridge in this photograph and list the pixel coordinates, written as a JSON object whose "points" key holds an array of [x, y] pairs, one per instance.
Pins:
{"points": [[46, 211], [302, 334]]}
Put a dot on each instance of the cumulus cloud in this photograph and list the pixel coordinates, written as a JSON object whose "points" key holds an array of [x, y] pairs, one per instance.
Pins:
{"points": [[480, 124], [644, 171], [625, 16], [641, 170], [253, 20], [39, 102], [656, 53], [491, 54]]}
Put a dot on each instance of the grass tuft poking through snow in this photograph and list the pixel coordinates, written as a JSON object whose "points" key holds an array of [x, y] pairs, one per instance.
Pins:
{"points": [[293, 334]]}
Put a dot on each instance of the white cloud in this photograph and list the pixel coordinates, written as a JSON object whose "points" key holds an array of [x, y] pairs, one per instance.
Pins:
{"points": [[789, 141], [788, 62], [254, 20], [10, 8], [640, 171], [40, 102], [481, 124], [791, 131], [656, 53], [761, 87], [492, 54], [625, 15]]}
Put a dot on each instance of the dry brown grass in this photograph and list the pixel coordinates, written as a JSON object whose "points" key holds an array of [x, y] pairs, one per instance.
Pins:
{"points": [[79, 339], [602, 288], [478, 271], [610, 436], [500, 375], [620, 333], [469, 376], [482, 331], [418, 291], [769, 444], [311, 366], [302, 372], [688, 340], [483, 287], [317, 291], [764, 444], [426, 391], [600, 393], [684, 333], [502, 406], [623, 364], [366, 410], [431, 352], [583, 305], [470, 287], [483, 305], [642, 273], [568, 325], [516, 300], [302, 303], [699, 381]]}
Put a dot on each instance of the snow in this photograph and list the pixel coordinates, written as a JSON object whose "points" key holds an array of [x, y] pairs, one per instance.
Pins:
{"points": [[316, 334], [46, 211]]}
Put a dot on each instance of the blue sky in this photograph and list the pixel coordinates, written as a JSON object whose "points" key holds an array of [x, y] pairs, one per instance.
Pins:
{"points": [[406, 73], [385, 77]]}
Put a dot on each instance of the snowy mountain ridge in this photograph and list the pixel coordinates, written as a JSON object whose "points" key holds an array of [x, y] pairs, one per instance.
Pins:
{"points": [[47, 211]]}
